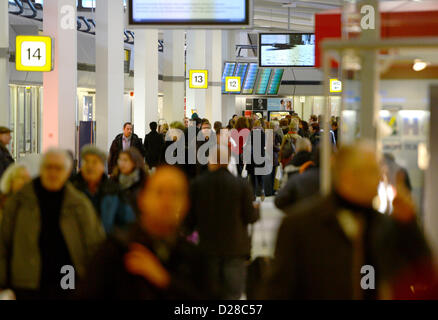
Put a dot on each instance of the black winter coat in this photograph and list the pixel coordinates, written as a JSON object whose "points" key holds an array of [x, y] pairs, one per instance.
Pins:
{"points": [[313, 258], [5, 159], [108, 279], [153, 148], [221, 211]]}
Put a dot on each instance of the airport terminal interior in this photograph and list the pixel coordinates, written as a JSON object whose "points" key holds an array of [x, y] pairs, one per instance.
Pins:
{"points": [[218, 150]]}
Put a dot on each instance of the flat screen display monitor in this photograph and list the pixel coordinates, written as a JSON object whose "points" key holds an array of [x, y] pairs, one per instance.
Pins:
{"points": [[189, 12], [263, 81], [251, 77], [287, 49], [275, 83], [228, 72], [241, 73]]}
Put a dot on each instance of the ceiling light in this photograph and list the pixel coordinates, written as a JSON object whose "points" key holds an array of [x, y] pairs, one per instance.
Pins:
{"points": [[419, 65]]}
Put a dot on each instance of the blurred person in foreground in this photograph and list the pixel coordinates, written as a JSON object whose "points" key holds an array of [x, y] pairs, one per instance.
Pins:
{"points": [[12, 181], [122, 142], [5, 157], [325, 242], [47, 225], [105, 195], [130, 174], [151, 260], [221, 210]]}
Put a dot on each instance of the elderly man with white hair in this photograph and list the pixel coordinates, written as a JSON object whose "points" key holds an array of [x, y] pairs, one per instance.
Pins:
{"points": [[48, 227]]}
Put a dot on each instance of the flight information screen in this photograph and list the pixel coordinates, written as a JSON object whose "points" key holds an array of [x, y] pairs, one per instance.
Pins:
{"points": [[228, 72], [241, 72], [287, 50], [189, 12], [263, 81], [275, 83], [249, 83]]}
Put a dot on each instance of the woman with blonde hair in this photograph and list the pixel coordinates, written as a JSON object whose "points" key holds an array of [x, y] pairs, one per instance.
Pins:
{"points": [[13, 179]]}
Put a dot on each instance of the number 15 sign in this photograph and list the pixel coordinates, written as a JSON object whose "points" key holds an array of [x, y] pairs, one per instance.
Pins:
{"points": [[33, 53]]}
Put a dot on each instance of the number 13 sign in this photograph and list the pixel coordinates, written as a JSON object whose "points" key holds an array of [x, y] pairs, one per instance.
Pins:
{"points": [[198, 79], [33, 53]]}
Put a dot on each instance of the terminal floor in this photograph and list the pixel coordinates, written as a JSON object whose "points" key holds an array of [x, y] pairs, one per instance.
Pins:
{"points": [[265, 230]]}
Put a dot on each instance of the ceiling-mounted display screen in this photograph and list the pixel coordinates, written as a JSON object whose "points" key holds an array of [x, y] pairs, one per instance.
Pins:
{"points": [[275, 83], [251, 77], [189, 12], [228, 72], [241, 72], [287, 50], [263, 81]]}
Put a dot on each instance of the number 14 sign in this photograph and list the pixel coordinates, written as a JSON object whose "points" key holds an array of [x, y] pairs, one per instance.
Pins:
{"points": [[33, 53]]}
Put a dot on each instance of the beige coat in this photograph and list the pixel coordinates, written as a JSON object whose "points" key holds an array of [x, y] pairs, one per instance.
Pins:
{"points": [[79, 224]]}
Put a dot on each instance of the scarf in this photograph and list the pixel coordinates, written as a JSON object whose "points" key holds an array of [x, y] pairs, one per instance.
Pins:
{"points": [[126, 181]]}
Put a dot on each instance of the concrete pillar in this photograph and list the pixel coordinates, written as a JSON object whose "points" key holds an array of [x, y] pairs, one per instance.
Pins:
{"points": [[145, 80], [4, 64], [197, 60], [216, 62], [174, 75], [109, 71], [229, 54], [370, 102], [60, 85], [431, 177]]}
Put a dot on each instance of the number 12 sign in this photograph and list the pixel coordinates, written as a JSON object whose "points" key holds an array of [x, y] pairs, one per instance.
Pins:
{"points": [[232, 84], [198, 79], [33, 53]]}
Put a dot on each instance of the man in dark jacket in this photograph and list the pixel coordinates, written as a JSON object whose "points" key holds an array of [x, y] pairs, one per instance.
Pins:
{"points": [[151, 261], [153, 146], [338, 247], [104, 194], [221, 211], [5, 157], [121, 143]]}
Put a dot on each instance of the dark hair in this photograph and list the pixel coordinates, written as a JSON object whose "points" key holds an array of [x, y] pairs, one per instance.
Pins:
{"points": [[305, 125], [217, 126], [135, 157], [315, 127], [127, 124], [153, 126], [241, 123]]}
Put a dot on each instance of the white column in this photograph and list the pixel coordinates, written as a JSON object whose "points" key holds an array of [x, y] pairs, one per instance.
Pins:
{"points": [[197, 60], [4, 64], [60, 85], [173, 75], [145, 80], [229, 54], [370, 102], [215, 65], [109, 71]]}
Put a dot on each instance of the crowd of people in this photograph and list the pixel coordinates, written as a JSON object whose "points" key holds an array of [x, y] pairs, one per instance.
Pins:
{"points": [[134, 225]]}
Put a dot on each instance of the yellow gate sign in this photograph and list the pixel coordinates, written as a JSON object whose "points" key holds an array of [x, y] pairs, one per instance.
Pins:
{"points": [[33, 53], [232, 84], [198, 79]]}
